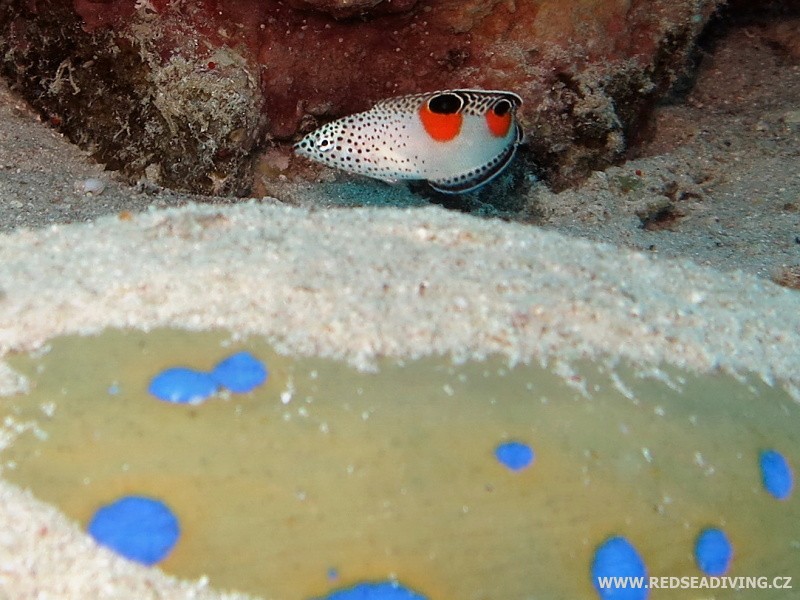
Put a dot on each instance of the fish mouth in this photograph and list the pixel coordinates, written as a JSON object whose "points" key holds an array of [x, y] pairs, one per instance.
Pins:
{"points": [[304, 145], [300, 147]]}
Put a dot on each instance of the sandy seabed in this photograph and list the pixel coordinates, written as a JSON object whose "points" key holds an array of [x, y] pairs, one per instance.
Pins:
{"points": [[356, 284], [349, 283]]}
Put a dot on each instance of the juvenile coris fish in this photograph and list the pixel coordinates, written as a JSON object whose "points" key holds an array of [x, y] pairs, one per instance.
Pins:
{"points": [[456, 140]]}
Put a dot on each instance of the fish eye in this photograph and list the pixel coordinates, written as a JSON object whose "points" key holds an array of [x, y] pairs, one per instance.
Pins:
{"points": [[445, 104], [324, 144], [502, 107]]}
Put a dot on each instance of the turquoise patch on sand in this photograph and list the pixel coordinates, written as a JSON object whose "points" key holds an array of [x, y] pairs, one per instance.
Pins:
{"points": [[514, 455], [615, 568], [240, 373], [776, 474], [182, 386], [138, 528], [385, 590], [713, 552]]}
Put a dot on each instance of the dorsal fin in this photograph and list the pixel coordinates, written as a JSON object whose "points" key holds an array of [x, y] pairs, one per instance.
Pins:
{"points": [[472, 181]]}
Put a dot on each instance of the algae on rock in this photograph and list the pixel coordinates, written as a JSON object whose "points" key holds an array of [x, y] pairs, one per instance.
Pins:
{"points": [[189, 118]]}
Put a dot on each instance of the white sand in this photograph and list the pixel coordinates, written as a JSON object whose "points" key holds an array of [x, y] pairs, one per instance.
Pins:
{"points": [[369, 282]]}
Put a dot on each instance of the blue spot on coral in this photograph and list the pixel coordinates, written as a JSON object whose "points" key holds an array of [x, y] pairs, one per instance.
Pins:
{"points": [[138, 528], [385, 590], [776, 474], [514, 455], [240, 373], [713, 552], [616, 557], [181, 386]]}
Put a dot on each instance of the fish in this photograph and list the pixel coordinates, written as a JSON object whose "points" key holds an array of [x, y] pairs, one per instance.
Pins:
{"points": [[456, 140]]}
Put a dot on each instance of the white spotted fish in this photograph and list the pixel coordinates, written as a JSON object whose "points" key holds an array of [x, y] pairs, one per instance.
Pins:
{"points": [[456, 140]]}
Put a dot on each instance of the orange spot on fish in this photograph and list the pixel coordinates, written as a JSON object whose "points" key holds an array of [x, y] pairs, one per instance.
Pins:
{"points": [[498, 124], [441, 127]]}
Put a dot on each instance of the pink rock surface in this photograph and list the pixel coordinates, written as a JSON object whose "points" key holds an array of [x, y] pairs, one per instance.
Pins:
{"points": [[588, 71]]}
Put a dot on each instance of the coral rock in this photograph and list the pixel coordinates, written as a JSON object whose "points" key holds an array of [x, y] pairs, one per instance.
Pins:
{"points": [[192, 86], [137, 89], [342, 9]]}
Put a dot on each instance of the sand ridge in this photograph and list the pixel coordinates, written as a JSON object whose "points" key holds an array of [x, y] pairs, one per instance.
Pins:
{"points": [[363, 283]]}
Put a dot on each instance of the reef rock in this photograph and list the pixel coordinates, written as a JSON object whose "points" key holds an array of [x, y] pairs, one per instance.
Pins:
{"points": [[342, 9], [147, 92], [187, 89]]}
